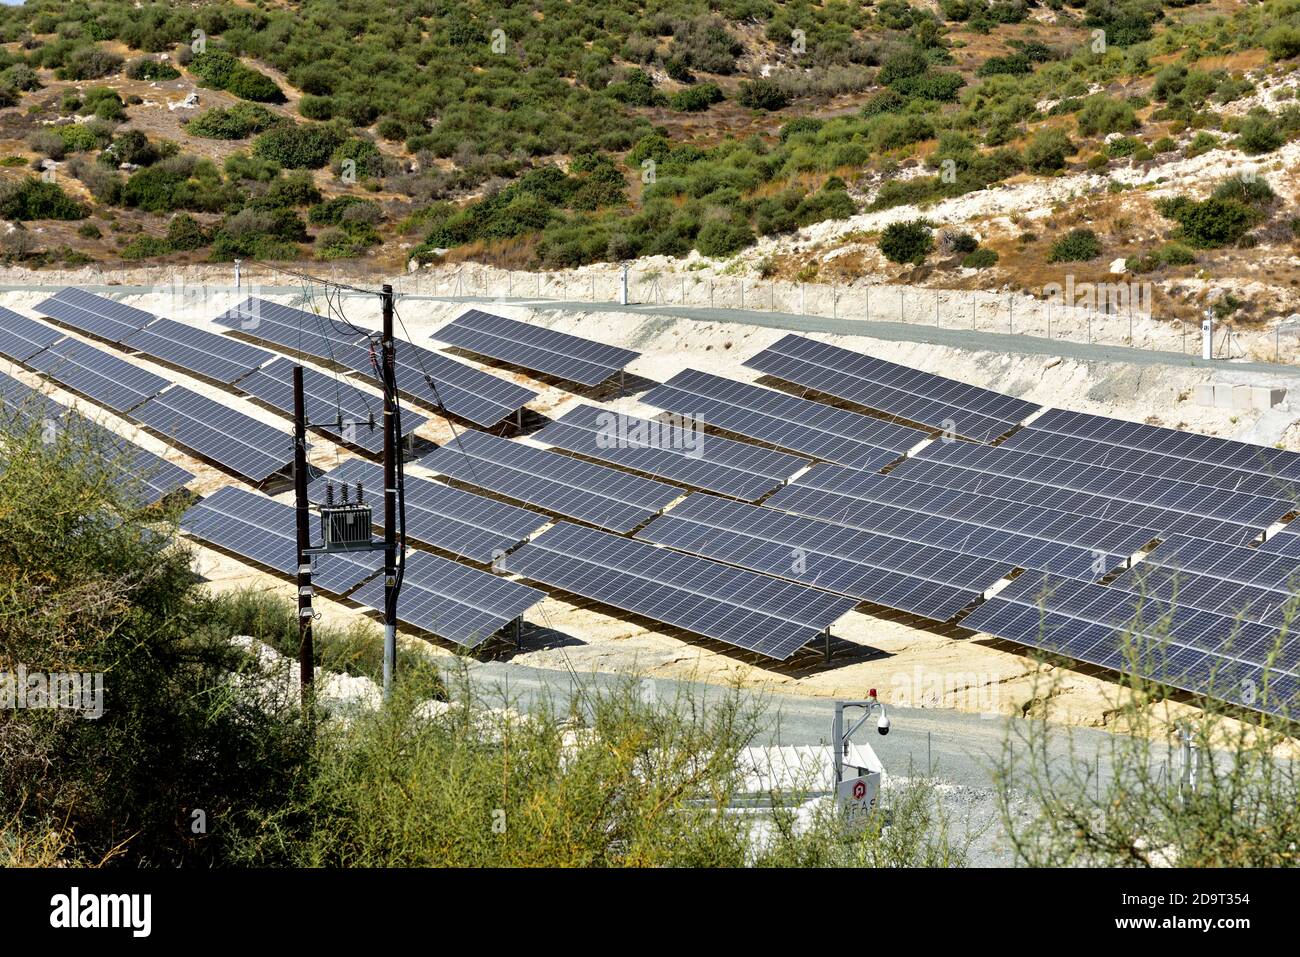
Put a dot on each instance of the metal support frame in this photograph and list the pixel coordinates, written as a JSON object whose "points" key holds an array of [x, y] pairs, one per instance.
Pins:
{"points": [[390, 495]]}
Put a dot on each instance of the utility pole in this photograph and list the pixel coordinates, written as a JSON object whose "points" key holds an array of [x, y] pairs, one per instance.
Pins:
{"points": [[306, 664], [390, 495]]}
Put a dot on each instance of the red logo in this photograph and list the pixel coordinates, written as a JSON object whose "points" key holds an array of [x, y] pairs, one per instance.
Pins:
{"points": [[859, 790]]}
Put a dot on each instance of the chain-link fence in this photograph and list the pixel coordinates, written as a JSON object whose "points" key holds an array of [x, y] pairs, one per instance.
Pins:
{"points": [[1116, 320]]}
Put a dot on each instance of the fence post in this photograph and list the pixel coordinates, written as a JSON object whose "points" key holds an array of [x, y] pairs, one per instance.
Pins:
{"points": [[973, 325], [902, 308], [867, 293], [742, 294], [1011, 322], [835, 302]]}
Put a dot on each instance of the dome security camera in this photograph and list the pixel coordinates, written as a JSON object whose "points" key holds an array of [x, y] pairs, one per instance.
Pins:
{"points": [[883, 724]]}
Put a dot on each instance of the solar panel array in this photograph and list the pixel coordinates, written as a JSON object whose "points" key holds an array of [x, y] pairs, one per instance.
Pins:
{"points": [[1076, 449], [595, 494], [532, 347], [684, 455], [255, 527], [251, 449], [335, 408], [741, 608], [943, 404], [95, 315], [21, 338], [94, 373], [1184, 445], [1198, 651], [462, 523], [1023, 490], [463, 391], [156, 477], [920, 579], [785, 421], [460, 604], [1254, 510], [1118, 540], [219, 358]]}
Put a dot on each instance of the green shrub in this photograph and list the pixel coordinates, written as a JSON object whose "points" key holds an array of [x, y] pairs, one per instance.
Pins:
{"points": [[145, 247], [364, 155], [1211, 223], [696, 98], [762, 94], [316, 107], [1282, 42], [185, 233], [1202, 142], [907, 242], [1016, 64], [221, 70], [1102, 115], [723, 237], [232, 123], [147, 68], [32, 198], [306, 146], [1078, 245], [89, 63], [1259, 134], [980, 259], [1047, 151]]}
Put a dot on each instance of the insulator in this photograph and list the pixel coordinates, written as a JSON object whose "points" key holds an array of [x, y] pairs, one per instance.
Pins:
{"points": [[360, 494], [344, 486], [329, 493]]}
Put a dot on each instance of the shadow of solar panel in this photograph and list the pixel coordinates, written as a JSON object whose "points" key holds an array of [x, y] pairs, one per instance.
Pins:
{"points": [[915, 578], [1241, 662], [1076, 449], [533, 347], [460, 604], [684, 455], [812, 428], [96, 374], [96, 315], [255, 527], [1231, 453], [1164, 520], [909, 394], [741, 608], [1255, 510], [595, 494], [243, 445], [462, 523], [204, 353], [1115, 540], [334, 407], [21, 338], [968, 538]]}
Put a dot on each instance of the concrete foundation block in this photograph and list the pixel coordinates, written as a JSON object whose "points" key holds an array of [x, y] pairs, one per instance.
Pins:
{"points": [[1223, 397], [1263, 397], [1205, 394], [1243, 398]]}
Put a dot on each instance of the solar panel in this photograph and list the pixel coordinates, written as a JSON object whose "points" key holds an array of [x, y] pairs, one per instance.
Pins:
{"points": [[460, 604], [1116, 539], [335, 408], [156, 476], [916, 578], [96, 374], [255, 527], [1248, 566], [670, 451], [532, 347], [219, 358], [1198, 651], [787, 422], [307, 332], [1077, 449], [463, 391], [1256, 510], [21, 338], [462, 523], [910, 394], [969, 538], [1284, 542], [1185, 445], [595, 494], [96, 315], [1165, 520], [741, 608], [247, 447], [1206, 592]]}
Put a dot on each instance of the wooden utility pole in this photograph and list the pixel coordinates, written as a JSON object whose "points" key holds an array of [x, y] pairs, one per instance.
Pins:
{"points": [[306, 652], [390, 495]]}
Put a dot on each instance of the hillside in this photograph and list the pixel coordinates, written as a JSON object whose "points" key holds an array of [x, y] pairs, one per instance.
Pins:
{"points": [[1044, 138]]}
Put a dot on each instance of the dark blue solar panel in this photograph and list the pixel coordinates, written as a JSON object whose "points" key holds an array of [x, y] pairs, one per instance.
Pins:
{"points": [[243, 445], [219, 358], [21, 338], [96, 374], [665, 450], [96, 315]]}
